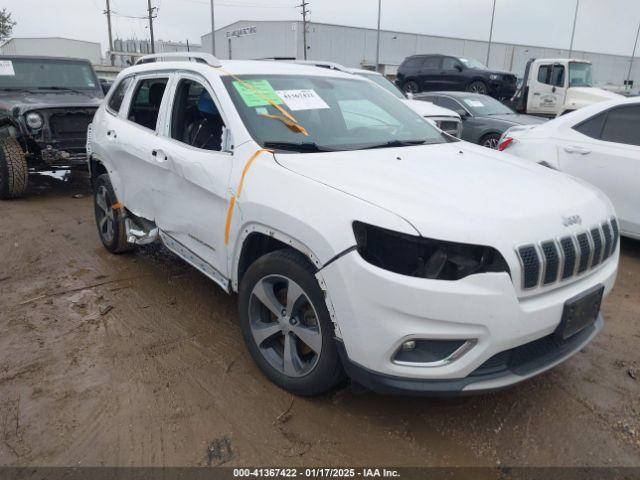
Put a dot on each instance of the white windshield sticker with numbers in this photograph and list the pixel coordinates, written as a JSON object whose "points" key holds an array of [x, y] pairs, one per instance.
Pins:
{"points": [[302, 100], [6, 68], [474, 103]]}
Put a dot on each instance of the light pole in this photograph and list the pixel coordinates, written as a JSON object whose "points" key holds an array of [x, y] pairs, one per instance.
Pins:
{"points": [[573, 30], [213, 31], [493, 15], [632, 57], [378, 41]]}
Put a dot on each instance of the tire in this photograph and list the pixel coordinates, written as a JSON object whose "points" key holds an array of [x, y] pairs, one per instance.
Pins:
{"points": [[109, 221], [314, 367], [477, 86], [492, 140], [14, 172], [411, 86]]}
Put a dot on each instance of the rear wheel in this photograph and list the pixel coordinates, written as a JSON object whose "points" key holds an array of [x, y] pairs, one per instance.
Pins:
{"points": [[109, 220], [286, 325], [490, 141], [477, 87], [14, 172], [411, 86]]}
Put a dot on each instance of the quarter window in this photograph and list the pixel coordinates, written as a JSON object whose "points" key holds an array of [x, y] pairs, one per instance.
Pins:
{"points": [[115, 101], [146, 101], [196, 119], [622, 125], [592, 127]]}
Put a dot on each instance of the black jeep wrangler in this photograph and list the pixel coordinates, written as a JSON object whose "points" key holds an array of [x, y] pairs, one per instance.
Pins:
{"points": [[46, 105]]}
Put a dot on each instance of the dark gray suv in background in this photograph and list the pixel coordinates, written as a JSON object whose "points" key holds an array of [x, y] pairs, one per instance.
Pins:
{"points": [[427, 73]]}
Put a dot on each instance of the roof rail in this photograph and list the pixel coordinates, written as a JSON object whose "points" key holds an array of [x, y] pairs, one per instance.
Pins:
{"points": [[187, 56]]}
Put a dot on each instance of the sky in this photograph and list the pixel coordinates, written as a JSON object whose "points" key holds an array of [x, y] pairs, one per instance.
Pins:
{"points": [[605, 26]]}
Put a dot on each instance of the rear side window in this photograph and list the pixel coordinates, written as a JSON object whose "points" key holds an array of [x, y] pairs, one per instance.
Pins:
{"points": [[432, 63], [592, 127], [115, 101], [622, 125], [414, 62], [146, 101]]}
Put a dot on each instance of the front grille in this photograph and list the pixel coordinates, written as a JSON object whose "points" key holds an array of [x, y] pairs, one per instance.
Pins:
{"points": [[69, 124], [556, 260]]}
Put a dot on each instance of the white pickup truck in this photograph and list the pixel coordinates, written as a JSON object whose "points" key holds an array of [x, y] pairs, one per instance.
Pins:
{"points": [[553, 87]]}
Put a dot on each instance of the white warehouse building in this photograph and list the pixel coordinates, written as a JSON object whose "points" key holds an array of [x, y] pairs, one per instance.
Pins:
{"points": [[356, 47]]}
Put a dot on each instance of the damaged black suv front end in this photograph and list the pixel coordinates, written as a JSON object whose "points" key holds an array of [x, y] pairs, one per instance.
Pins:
{"points": [[46, 105]]}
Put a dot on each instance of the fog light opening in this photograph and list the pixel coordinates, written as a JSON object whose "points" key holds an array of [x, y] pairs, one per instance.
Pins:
{"points": [[432, 353], [409, 346]]}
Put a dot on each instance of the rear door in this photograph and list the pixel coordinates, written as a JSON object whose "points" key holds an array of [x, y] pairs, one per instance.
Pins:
{"points": [[430, 75], [605, 151], [130, 135], [547, 89]]}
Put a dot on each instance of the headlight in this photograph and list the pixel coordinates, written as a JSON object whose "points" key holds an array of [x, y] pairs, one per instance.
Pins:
{"points": [[34, 121], [493, 76], [423, 257]]}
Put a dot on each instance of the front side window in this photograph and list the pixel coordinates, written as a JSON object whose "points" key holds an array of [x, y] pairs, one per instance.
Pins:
{"points": [[543, 73], [195, 119], [557, 76], [146, 101], [484, 105], [116, 98], [451, 104], [337, 114], [622, 125], [473, 63], [384, 83], [592, 127], [449, 63]]}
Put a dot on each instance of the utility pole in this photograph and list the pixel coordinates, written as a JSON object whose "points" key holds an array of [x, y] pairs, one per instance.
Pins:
{"points": [[305, 13], [108, 14], [493, 15], [213, 31], [573, 30], [151, 17], [378, 40], [632, 57]]}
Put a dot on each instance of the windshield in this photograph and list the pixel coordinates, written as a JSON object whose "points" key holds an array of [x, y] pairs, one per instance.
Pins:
{"points": [[481, 105], [473, 63], [337, 114], [580, 75], [39, 73], [384, 83]]}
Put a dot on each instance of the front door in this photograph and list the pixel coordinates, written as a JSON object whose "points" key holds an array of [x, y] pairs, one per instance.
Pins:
{"points": [[194, 153], [547, 89]]}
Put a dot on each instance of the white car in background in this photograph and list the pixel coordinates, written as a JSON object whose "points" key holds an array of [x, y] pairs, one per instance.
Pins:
{"points": [[599, 144], [445, 119]]}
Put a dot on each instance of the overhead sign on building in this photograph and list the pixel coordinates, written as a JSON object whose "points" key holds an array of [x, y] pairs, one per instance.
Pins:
{"points": [[242, 32]]}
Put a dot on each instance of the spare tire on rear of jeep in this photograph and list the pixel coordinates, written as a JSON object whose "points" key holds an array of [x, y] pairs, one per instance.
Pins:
{"points": [[14, 173]]}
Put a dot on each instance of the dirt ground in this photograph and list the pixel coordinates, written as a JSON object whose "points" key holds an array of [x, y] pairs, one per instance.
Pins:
{"points": [[137, 360]]}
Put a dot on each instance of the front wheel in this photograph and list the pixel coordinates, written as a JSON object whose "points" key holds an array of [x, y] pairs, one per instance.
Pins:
{"points": [[286, 325], [477, 87], [490, 141], [14, 172]]}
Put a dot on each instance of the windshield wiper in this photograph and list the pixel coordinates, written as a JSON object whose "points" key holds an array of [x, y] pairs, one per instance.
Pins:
{"points": [[396, 143], [297, 147]]}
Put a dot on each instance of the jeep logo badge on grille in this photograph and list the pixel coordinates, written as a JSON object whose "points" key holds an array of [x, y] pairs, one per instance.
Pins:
{"points": [[572, 220]]}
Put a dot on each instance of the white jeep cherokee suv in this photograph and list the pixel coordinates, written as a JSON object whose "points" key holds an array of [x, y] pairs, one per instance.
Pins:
{"points": [[359, 238]]}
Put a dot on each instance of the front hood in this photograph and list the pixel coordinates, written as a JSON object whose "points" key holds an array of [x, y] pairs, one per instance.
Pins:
{"points": [[428, 109], [458, 191], [582, 96], [28, 101], [518, 119]]}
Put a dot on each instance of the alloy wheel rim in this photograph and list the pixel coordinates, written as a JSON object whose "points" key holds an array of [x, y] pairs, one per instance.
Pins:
{"points": [[491, 143], [105, 215], [477, 88], [285, 326]]}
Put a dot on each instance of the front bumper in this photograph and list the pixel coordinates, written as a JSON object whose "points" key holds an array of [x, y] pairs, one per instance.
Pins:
{"points": [[375, 311]]}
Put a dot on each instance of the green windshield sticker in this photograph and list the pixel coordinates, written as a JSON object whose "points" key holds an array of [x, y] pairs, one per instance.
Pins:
{"points": [[257, 93]]}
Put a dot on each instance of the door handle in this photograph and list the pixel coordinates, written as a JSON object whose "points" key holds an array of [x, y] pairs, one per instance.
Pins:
{"points": [[159, 156], [576, 149], [536, 94]]}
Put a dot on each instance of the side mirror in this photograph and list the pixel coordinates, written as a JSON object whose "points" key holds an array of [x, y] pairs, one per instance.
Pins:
{"points": [[458, 68]]}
